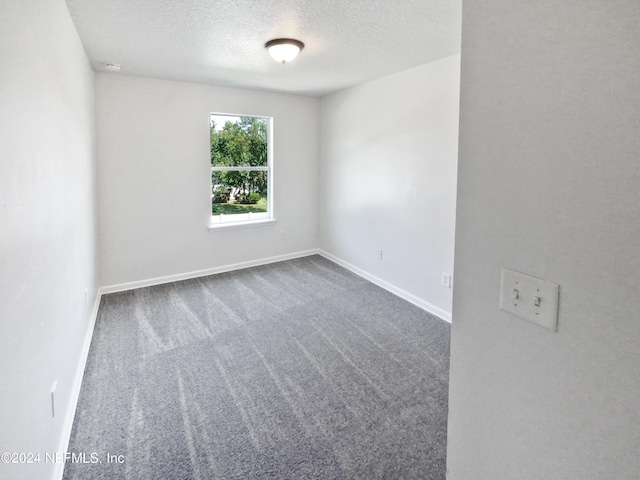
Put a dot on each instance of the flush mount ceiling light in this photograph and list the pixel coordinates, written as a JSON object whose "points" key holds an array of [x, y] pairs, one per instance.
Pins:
{"points": [[284, 49]]}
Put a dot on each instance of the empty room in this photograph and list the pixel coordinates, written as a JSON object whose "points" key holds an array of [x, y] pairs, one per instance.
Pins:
{"points": [[320, 240]]}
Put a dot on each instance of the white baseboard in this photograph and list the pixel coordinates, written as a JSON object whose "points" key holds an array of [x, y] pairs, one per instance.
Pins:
{"points": [[70, 414], [428, 307], [203, 273]]}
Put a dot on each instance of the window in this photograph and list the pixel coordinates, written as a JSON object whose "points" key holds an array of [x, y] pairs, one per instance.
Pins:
{"points": [[240, 169]]}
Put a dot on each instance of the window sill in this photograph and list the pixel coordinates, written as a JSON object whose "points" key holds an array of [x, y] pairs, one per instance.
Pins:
{"points": [[240, 224]]}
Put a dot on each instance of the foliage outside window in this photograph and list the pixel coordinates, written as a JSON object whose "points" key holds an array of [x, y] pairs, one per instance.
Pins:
{"points": [[240, 168]]}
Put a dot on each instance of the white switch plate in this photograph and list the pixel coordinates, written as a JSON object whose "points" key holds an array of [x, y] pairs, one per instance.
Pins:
{"points": [[519, 294]]}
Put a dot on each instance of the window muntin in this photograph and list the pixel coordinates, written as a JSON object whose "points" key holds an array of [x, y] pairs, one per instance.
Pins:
{"points": [[240, 168]]}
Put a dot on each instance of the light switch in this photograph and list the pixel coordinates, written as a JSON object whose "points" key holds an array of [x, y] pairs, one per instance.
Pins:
{"points": [[530, 298]]}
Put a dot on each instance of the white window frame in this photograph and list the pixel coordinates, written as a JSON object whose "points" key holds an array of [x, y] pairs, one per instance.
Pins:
{"points": [[241, 220]]}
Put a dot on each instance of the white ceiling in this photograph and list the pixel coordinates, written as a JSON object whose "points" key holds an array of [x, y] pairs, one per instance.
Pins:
{"points": [[221, 42]]}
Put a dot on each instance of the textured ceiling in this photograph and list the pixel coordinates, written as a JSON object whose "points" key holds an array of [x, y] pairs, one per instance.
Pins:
{"points": [[221, 42]]}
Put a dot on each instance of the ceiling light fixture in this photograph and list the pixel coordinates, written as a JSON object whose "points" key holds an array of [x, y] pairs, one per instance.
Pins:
{"points": [[284, 49]]}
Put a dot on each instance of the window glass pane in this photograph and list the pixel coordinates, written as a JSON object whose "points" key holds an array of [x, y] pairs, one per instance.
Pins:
{"points": [[238, 141], [234, 193]]}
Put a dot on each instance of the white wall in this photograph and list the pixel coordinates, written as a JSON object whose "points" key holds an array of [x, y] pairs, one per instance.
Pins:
{"points": [[549, 184], [154, 177], [389, 159], [47, 224]]}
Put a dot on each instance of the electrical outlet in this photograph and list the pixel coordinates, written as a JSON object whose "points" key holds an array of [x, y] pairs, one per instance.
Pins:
{"points": [[446, 280], [379, 254], [282, 235]]}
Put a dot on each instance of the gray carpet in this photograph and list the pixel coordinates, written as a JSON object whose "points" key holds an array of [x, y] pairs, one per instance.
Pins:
{"points": [[294, 370]]}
